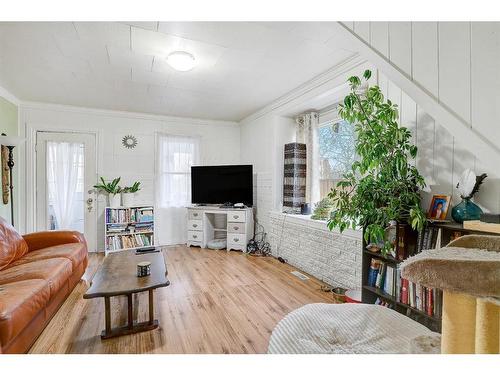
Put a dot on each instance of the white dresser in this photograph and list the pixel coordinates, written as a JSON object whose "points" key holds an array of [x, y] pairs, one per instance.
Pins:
{"points": [[208, 222]]}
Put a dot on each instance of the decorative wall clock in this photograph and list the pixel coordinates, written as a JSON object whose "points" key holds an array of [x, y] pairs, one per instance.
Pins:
{"points": [[129, 141]]}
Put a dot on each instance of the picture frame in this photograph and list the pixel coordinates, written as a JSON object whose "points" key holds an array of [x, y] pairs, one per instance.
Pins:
{"points": [[438, 209]]}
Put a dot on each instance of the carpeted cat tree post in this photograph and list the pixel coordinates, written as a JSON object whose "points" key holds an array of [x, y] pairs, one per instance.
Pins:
{"points": [[468, 272]]}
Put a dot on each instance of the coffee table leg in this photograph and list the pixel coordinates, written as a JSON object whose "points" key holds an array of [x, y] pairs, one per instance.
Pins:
{"points": [[151, 306], [130, 309], [107, 315]]}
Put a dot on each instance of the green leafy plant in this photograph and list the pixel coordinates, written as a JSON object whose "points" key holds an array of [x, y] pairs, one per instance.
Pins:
{"points": [[132, 189], [382, 185], [109, 187], [323, 209]]}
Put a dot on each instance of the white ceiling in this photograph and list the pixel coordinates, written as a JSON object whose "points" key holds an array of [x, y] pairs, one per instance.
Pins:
{"points": [[242, 66]]}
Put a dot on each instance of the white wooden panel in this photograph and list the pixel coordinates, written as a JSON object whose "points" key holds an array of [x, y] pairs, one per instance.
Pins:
{"points": [[383, 83], [380, 37], [425, 144], [394, 94], [400, 45], [443, 159], [408, 114], [485, 80], [454, 67], [363, 30], [425, 55]]}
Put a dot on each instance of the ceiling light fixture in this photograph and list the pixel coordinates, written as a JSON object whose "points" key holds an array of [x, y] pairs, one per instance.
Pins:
{"points": [[181, 60]]}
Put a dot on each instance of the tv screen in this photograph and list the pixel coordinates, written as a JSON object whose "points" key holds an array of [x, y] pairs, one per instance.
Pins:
{"points": [[222, 184]]}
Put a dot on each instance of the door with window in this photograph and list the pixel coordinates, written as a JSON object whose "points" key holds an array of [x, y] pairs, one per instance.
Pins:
{"points": [[66, 173]]}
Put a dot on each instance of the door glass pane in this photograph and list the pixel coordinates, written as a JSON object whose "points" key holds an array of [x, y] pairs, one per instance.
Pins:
{"points": [[65, 184]]}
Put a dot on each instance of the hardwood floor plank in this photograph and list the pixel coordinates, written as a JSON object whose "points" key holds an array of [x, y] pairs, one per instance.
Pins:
{"points": [[218, 302]]}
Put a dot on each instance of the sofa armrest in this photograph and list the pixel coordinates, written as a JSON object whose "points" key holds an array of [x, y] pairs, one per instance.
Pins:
{"points": [[40, 240]]}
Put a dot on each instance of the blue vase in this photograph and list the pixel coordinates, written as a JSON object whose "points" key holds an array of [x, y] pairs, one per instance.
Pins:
{"points": [[466, 210]]}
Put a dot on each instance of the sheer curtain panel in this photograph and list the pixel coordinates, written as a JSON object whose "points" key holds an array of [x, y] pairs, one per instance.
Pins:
{"points": [[64, 175], [176, 155]]}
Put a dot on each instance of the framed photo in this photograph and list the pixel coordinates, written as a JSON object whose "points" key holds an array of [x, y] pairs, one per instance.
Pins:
{"points": [[439, 207]]}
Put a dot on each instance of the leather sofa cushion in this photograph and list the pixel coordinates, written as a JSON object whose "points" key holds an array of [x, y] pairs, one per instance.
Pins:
{"points": [[12, 245], [20, 302], [55, 271], [75, 252]]}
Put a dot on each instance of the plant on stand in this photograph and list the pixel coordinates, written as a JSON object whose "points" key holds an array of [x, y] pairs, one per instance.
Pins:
{"points": [[383, 185], [128, 194], [112, 189]]}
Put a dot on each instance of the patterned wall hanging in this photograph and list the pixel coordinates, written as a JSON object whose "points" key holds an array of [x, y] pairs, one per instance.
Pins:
{"points": [[294, 181]]}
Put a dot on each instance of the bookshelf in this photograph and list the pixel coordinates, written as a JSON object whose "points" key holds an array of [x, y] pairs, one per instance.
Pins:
{"points": [[409, 242], [128, 228]]}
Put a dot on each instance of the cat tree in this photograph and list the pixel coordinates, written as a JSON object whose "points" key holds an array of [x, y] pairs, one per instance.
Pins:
{"points": [[468, 272]]}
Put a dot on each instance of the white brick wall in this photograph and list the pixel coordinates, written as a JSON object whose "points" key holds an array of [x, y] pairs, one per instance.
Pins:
{"points": [[308, 245]]}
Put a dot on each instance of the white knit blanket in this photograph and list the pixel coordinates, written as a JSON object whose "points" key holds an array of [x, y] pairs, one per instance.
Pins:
{"points": [[344, 328]]}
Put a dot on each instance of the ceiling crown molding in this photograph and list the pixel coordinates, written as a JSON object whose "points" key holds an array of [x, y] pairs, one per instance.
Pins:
{"points": [[123, 114], [7, 95]]}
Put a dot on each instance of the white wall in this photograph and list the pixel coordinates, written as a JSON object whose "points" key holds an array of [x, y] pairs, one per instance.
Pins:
{"points": [[262, 145], [220, 144], [456, 63]]}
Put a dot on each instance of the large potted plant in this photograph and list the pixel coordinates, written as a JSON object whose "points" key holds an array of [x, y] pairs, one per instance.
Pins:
{"points": [[128, 194], [112, 189], [383, 185]]}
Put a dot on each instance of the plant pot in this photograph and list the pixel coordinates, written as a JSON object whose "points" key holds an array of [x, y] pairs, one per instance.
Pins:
{"points": [[466, 210], [114, 200], [128, 199]]}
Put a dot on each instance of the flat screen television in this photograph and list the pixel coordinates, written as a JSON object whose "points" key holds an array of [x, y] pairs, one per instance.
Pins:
{"points": [[222, 184]]}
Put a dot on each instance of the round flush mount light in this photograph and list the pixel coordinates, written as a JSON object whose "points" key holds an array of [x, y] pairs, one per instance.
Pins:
{"points": [[181, 60]]}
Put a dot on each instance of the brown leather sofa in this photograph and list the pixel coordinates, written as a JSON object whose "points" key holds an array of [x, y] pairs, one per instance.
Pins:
{"points": [[37, 272]]}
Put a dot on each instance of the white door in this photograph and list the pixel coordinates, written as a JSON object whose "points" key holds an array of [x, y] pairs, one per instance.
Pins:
{"points": [[66, 173]]}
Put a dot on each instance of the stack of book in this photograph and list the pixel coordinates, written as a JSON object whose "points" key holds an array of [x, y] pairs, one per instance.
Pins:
{"points": [[117, 215], [382, 275], [144, 227], [128, 241], [142, 214], [421, 298], [428, 238]]}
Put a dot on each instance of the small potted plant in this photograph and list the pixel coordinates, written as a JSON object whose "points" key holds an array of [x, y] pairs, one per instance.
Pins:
{"points": [[128, 194], [112, 189]]}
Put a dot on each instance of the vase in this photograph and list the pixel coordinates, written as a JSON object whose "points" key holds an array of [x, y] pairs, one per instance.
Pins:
{"points": [[466, 210], [114, 200], [128, 199]]}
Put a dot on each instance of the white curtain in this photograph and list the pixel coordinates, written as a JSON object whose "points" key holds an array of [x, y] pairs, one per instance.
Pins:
{"points": [[307, 132], [176, 155], [64, 169]]}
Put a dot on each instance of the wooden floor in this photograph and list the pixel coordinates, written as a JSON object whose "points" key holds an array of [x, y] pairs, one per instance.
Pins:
{"points": [[217, 302]]}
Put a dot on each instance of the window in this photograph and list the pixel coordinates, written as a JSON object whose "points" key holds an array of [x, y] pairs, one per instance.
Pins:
{"points": [[337, 152], [176, 155]]}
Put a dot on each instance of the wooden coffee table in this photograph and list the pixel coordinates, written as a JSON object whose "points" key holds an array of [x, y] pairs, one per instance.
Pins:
{"points": [[117, 276]]}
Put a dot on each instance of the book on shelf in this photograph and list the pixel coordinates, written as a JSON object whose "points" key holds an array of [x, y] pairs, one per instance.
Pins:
{"points": [[128, 241]]}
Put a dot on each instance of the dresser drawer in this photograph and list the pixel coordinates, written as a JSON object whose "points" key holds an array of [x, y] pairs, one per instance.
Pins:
{"points": [[235, 227], [236, 239], [195, 225], [195, 235], [194, 215], [236, 216]]}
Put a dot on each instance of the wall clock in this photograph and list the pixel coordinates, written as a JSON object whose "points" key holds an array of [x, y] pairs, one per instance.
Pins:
{"points": [[129, 141]]}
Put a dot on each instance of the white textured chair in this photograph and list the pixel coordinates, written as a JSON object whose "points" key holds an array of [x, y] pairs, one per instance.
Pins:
{"points": [[350, 328]]}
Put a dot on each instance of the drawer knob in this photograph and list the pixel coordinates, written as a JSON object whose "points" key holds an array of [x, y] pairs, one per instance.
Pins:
{"points": [[236, 239], [195, 225], [236, 228], [195, 214], [195, 236], [235, 216]]}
